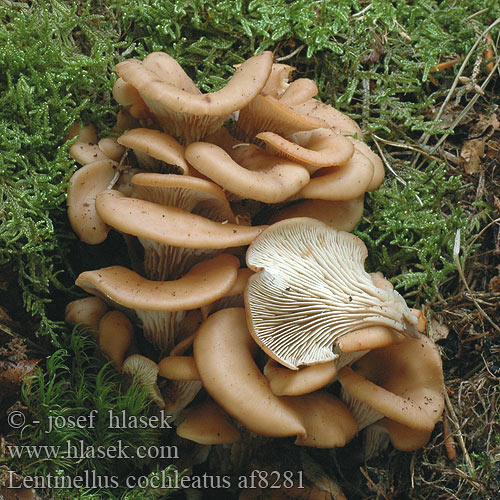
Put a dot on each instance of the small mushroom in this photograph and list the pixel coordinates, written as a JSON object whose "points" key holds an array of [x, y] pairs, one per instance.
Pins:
{"points": [[116, 334], [87, 311], [310, 289], [145, 371]]}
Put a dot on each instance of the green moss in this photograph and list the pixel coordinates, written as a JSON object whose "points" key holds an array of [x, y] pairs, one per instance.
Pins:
{"points": [[74, 383]]}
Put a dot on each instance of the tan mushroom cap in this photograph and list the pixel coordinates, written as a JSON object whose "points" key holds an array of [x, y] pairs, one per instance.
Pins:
{"points": [[321, 147], [341, 215], [145, 371], [276, 180], [85, 184], [223, 352], [299, 91], [335, 118], [203, 284], [346, 182], [267, 114], [190, 116], [115, 336], [208, 423], [286, 382], [310, 289], [244, 85], [86, 133], [378, 166], [402, 382], [373, 337], [87, 311], [86, 152], [277, 81], [403, 438], [327, 420], [157, 144], [111, 148], [178, 368], [198, 196], [170, 225], [125, 94]]}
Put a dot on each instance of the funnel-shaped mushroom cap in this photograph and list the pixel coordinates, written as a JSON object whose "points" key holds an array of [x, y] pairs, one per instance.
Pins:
{"points": [[155, 144], [145, 371], [341, 215], [223, 352], [402, 382], [327, 420], [311, 290], [115, 336], [335, 118], [87, 311], [267, 114], [321, 147], [170, 225], [208, 423], [275, 180], [345, 182], [190, 115], [286, 382], [203, 284], [85, 184]]}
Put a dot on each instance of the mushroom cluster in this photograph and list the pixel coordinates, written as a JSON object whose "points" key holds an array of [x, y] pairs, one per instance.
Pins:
{"points": [[283, 339]]}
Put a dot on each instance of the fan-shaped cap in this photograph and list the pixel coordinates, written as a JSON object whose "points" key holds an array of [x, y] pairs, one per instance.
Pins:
{"points": [[319, 148], [378, 166], [274, 180], [402, 382], [169, 225], [156, 144], [188, 115], [126, 95], [312, 289], [223, 353], [208, 423], [204, 283], [373, 337]]}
